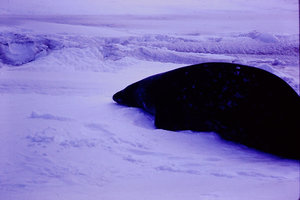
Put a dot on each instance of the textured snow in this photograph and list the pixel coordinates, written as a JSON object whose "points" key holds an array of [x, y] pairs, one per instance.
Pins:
{"points": [[62, 136], [273, 53]]}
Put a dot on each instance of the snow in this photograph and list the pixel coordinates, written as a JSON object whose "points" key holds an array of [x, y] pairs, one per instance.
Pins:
{"points": [[64, 138]]}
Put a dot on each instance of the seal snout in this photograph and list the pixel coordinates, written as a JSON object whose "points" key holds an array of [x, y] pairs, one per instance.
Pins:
{"points": [[125, 97], [118, 97]]}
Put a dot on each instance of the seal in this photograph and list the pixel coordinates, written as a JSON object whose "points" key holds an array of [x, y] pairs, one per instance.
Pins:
{"points": [[242, 104]]}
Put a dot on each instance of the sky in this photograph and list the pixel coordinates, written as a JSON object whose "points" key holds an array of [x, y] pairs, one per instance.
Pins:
{"points": [[97, 7]]}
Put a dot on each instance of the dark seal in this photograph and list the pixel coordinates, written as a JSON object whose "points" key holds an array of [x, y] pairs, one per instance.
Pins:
{"points": [[241, 103]]}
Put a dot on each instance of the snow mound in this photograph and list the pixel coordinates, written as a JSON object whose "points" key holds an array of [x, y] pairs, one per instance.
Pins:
{"points": [[17, 49], [263, 37], [98, 53]]}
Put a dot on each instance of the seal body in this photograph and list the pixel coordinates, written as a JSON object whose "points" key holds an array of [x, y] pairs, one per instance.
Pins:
{"points": [[241, 103]]}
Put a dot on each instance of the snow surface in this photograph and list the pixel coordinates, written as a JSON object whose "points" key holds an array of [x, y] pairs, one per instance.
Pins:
{"points": [[64, 138]]}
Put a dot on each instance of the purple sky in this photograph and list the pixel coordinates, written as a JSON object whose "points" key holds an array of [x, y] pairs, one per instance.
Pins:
{"points": [[140, 6]]}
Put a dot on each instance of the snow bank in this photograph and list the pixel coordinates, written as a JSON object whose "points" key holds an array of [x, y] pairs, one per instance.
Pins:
{"points": [[17, 49], [264, 37], [267, 51]]}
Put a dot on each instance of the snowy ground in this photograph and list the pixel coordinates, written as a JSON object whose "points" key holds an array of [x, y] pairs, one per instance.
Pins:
{"points": [[62, 136]]}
